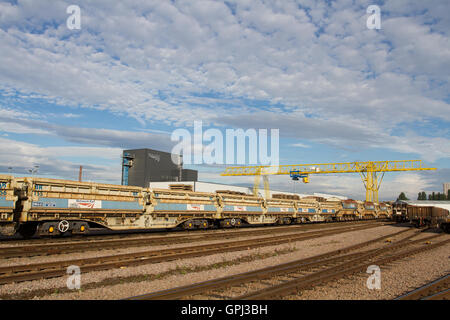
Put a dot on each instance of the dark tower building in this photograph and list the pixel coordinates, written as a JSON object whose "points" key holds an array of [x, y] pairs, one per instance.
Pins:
{"points": [[140, 166]]}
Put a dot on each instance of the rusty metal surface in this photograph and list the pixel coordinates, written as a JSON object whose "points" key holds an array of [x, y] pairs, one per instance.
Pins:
{"points": [[435, 290]]}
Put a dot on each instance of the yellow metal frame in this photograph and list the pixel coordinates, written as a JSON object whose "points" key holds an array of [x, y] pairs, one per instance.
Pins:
{"points": [[266, 185], [367, 169]]}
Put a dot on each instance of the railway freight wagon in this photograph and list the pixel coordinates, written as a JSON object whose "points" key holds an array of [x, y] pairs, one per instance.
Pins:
{"points": [[384, 210], [236, 209], [366, 210], [370, 211], [52, 207], [7, 205], [188, 209], [281, 211], [399, 211], [329, 209], [431, 216], [308, 210], [349, 211]]}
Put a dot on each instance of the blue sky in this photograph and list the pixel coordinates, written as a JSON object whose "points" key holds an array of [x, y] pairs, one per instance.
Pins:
{"points": [[137, 70]]}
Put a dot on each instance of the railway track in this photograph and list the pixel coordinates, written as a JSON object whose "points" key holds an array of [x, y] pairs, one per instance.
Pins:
{"points": [[357, 264], [435, 290], [101, 234], [50, 248], [25, 272], [281, 280]]}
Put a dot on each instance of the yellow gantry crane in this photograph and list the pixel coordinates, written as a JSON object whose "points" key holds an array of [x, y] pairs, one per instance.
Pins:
{"points": [[368, 171]]}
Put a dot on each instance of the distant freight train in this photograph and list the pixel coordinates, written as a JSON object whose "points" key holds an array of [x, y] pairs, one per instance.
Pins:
{"points": [[425, 215], [51, 207]]}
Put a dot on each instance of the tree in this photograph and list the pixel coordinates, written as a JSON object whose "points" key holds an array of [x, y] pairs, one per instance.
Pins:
{"points": [[402, 196], [433, 196], [424, 196], [448, 194], [429, 197]]}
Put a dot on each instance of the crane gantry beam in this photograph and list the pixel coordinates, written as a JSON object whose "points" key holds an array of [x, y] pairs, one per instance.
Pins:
{"points": [[367, 169]]}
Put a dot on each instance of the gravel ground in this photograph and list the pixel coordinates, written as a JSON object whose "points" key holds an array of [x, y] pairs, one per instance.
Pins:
{"points": [[396, 279], [108, 252], [304, 249]]}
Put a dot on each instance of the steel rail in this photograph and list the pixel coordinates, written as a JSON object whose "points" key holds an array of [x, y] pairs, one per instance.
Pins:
{"points": [[27, 272], [238, 279], [435, 290], [69, 247], [337, 272]]}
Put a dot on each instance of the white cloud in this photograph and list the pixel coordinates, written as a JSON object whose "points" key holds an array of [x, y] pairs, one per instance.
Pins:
{"points": [[23, 156], [127, 53], [323, 76], [300, 145]]}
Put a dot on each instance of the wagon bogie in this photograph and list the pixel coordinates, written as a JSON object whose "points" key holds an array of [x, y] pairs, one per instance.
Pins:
{"points": [[247, 208]]}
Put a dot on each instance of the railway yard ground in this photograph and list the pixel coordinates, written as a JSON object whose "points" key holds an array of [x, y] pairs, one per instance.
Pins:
{"points": [[307, 262]]}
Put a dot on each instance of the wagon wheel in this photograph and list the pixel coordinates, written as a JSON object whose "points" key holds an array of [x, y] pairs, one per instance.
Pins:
{"points": [[63, 226]]}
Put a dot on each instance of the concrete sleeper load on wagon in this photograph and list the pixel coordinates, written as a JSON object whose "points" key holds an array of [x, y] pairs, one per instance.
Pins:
{"points": [[50, 207]]}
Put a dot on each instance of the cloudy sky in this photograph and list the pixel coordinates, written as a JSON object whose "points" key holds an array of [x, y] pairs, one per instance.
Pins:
{"points": [[137, 70]]}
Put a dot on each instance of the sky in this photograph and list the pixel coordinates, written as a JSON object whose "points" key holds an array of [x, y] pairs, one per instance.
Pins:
{"points": [[135, 71]]}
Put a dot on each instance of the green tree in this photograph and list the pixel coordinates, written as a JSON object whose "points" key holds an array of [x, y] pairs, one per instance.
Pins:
{"points": [[448, 194], [429, 197], [433, 196], [424, 195], [402, 196]]}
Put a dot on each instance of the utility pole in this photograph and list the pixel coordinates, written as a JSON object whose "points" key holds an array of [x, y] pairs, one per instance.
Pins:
{"points": [[80, 174], [34, 170]]}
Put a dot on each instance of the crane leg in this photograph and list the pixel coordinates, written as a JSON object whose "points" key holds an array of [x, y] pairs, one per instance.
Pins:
{"points": [[256, 185], [266, 186]]}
